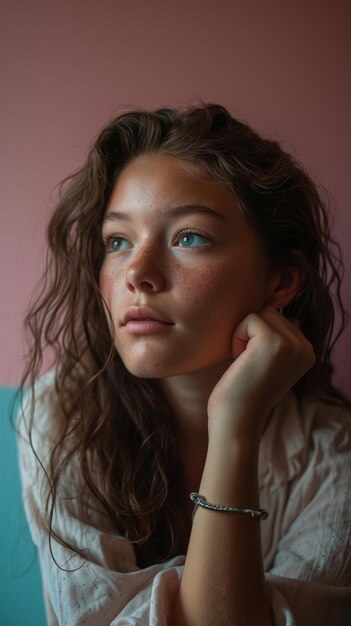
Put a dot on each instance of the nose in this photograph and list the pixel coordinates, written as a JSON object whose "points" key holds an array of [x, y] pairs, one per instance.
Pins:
{"points": [[146, 271]]}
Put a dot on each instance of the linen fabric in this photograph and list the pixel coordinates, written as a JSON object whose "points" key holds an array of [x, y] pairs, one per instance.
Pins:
{"points": [[305, 484]]}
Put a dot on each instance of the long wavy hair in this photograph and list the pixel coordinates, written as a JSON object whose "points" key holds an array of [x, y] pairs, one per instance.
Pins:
{"points": [[122, 423]]}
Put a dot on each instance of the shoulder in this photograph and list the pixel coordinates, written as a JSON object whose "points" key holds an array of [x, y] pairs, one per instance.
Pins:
{"points": [[305, 432], [327, 428], [40, 425], [309, 455], [39, 415]]}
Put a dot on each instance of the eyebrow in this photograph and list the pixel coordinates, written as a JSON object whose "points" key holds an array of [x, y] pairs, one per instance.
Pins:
{"points": [[177, 211]]}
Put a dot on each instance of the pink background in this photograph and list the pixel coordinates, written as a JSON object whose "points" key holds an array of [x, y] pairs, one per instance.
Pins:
{"points": [[68, 66]]}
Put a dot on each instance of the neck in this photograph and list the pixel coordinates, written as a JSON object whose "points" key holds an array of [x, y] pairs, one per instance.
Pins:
{"points": [[188, 396]]}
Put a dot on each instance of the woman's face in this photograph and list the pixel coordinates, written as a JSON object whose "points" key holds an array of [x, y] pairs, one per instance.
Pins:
{"points": [[180, 246]]}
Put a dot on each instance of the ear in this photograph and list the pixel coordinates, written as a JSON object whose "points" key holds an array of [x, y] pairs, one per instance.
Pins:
{"points": [[286, 282]]}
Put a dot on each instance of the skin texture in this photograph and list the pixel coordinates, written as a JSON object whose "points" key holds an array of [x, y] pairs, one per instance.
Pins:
{"points": [[226, 278], [225, 361]]}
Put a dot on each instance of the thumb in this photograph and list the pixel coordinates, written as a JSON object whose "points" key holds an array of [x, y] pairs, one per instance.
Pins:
{"points": [[249, 328], [241, 337]]}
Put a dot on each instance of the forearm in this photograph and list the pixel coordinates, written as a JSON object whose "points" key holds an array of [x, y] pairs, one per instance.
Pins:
{"points": [[223, 581]]}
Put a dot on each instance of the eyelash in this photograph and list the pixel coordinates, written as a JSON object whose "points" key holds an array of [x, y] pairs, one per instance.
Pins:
{"points": [[193, 231], [107, 239]]}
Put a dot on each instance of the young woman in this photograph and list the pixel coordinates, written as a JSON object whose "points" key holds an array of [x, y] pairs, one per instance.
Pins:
{"points": [[186, 462]]}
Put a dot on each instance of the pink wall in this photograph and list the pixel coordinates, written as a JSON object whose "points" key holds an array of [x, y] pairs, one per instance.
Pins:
{"points": [[69, 65]]}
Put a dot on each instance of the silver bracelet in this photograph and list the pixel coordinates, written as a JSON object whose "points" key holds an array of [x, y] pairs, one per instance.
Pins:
{"points": [[201, 501]]}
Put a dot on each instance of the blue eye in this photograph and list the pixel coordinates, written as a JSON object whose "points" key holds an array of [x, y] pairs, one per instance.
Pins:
{"points": [[189, 239], [114, 243]]}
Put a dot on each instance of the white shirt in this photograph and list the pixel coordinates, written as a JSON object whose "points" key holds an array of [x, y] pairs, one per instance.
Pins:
{"points": [[305, 484]]}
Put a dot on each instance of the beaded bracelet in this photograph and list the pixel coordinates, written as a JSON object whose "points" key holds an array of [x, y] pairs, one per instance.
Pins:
{"points": [[201, 501]]}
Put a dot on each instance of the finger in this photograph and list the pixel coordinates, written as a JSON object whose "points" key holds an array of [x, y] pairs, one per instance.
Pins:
{"points": [[280, 323], [251, 327], [289, 331], [268, 326]]}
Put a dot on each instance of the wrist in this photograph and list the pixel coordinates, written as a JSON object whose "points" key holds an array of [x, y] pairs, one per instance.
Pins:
{"points": [[232, 459], [235, 443], [230, 474], [239, 430], [202, 502]]}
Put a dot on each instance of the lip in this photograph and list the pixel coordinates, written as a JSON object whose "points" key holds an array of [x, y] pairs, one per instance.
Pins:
{"points": [[142, 315], [146, 327]]}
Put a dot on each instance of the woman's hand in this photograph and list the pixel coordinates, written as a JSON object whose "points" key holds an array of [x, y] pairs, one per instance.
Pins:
{"points": [[270, 356]]}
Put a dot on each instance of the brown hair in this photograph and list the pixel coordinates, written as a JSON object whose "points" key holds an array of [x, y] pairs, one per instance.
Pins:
{"points": [[123, 423]]}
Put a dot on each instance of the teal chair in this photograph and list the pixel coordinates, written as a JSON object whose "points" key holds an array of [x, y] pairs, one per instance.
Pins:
{"points": [[21, 602]]}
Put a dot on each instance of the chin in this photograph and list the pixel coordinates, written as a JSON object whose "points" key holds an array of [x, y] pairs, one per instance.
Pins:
{"points": [[146, 368], [149, 369]]}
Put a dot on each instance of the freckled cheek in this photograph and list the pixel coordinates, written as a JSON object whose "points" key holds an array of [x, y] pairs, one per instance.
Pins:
{"points": [[203, 290], [107, 284]]}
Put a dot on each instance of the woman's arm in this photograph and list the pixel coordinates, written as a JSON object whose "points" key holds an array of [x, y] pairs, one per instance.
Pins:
{"points": [[223, 581]]}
